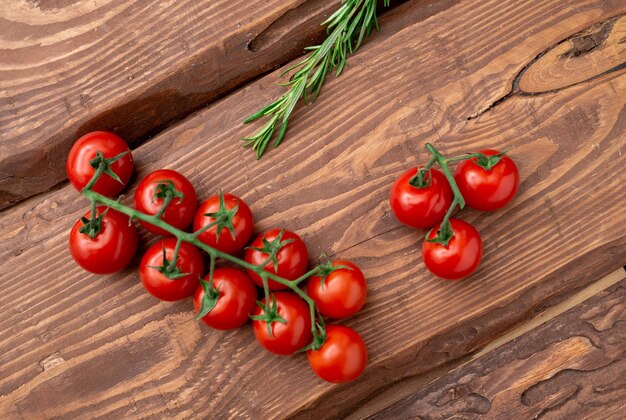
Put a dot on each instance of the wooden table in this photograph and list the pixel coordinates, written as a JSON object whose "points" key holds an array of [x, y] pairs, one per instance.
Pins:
{"points": [[538, 330]]}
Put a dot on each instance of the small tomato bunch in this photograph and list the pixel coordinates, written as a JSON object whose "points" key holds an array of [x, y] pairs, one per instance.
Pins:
{"points": [[287, 320], [425, 198]]}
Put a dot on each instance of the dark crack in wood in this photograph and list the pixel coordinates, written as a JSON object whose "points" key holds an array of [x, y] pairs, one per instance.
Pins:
{"points": [[582, 43]]}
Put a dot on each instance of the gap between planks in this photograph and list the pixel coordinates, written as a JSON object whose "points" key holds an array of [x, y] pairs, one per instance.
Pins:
{"points": [[406, 387]]}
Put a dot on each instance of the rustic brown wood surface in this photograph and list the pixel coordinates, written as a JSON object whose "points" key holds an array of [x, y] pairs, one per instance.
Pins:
{"points": [[79, 345], [68, 67], [572, 367]]}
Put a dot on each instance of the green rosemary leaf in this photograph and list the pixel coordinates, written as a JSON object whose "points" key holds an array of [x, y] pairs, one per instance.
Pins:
{"points": [[265, 111], [347, 27], [281, 134]]}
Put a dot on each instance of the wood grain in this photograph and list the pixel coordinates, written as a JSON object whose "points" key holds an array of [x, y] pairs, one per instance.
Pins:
{"points": [[79, 345], [69, 67], [400, 390], [571, 367], [594, 51]]}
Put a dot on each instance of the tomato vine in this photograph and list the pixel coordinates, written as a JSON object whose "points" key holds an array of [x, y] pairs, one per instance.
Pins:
{"points": [[426, 198], [214, 254], [105, 240]]}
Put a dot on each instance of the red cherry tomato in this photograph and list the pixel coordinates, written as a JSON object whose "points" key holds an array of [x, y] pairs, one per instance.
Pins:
{"points": [[179, 213], [460, 258], [158, 284], [341, 294], [242, 223], [342, 357], [285, 338], [78, 168], [236, 299], [421, 207], [111, 249], [292, 257], [487, 189]]}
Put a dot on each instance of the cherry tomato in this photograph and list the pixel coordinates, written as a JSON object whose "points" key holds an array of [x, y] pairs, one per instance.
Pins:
{"points": [[241, 220], [236, 299], [111, 249], [421, 207], [487, 189], [292, 257], [462, 255], [79, 170], [182, 281], [342, 357], [285, 338], [149, 199], [341, 294]]}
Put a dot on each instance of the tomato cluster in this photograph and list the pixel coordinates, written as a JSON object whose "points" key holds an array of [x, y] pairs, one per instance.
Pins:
{"points": [[424, 198], [165, 203]]}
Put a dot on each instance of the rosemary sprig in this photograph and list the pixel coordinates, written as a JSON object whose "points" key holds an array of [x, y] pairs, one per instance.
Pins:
{"points": [[346, 29]]}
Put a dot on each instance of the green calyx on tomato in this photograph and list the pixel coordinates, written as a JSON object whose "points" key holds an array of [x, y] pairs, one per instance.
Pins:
{"points": [[169, 268], [102, 164], [444, 234], [421, 179], [269, 315], [325, 269], [271, 248], [166, 190], [209, 300], [92, 226], [488, 162], [223, 218], [319, 337]]}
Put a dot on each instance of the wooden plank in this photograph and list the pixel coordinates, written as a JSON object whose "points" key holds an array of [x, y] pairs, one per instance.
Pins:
{"points": [[570, 367], [403, 389], [78, 345], [69, 67]]}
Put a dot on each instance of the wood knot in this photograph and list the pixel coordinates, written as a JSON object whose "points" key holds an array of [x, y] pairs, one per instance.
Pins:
{"points": [[55, 359], [589, 39]]}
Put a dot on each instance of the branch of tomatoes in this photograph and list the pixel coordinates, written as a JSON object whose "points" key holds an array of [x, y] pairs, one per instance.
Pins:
{"points": [[426, 198], [105, 241]]}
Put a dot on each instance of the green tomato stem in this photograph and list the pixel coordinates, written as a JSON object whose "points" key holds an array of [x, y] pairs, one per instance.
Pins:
{"points": [[443, 162], [445, 233], [313, 272], [211, 267], [184, 236], [266, 288], [95, 177], [172, 265], [419, 180], [94, 204], [463, 157], [166, 202], [431, 162]]}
